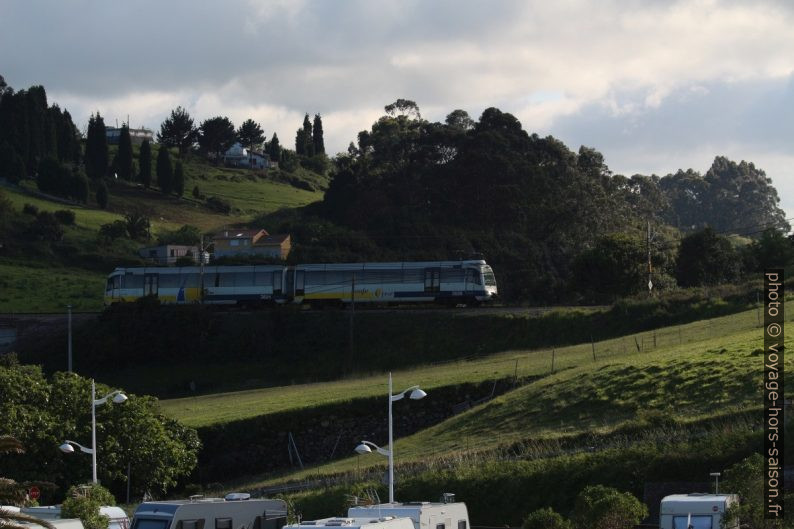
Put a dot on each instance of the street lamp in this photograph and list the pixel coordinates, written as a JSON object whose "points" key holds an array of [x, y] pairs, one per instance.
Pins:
{"points": [[716, 476], [364, 447], [67, 447]]}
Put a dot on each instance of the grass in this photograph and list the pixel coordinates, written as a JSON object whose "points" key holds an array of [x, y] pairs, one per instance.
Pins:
{"points": [[27, 289], [717, 373], [226, 407]]}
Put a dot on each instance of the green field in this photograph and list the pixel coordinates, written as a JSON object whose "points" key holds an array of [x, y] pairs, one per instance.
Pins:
{"points": [[714, 372], [225, 407], [26, 289]]}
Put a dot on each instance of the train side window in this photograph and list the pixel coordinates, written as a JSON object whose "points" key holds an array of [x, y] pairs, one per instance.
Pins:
{"points": [[461, 524], [440, 526], [217, 279], [223, 523]]}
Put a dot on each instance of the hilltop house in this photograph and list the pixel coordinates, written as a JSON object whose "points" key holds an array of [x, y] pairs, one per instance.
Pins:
{"points": [[137, 136], [238, 156], [168, 253], [251, 242]]}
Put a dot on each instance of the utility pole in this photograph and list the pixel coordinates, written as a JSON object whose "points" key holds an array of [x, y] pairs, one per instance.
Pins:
{"points": [[69, 309], [201, 270], [650, 267], [352, 322]]}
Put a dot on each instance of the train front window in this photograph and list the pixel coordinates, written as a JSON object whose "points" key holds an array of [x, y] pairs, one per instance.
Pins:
{"points": [[490, 279]]}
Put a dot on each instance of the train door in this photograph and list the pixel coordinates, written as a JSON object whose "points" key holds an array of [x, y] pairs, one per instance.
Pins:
{"points": [[277, 283], [300, 282], [150, 284], [432, 280]]}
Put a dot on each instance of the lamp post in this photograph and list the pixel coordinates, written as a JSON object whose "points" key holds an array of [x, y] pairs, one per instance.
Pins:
{"points": [[364, 447], [716, 476], [118, 397]]}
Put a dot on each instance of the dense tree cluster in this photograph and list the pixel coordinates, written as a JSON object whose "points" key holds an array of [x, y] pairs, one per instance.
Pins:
{"points": [[159, 450], [30, 131], [96, 148], [556, 224]]}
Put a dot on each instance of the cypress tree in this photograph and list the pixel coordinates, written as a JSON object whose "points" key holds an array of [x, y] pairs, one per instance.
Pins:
{"points": [[274, 149], [145, 161], [317, 135], [36, 103], [102, 195], [308, 148], [124, 161], [179, 179], [165, 177], [12, 167], [96, 148], [300, 142]]}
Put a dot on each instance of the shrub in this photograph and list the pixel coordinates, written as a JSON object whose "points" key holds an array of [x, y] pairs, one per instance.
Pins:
{"points": [[112, 231], [65, 216], [546, 518], [197, 193], [186, 235], [219, 205], [84, 501], [46, 227], [30, 209], [600, 507], [102, 195]]}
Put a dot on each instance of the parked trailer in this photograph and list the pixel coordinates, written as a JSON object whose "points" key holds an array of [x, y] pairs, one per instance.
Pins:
{"points": [[424, 515], [695, 511], [117, 518], [383, 522], [236, 511]]}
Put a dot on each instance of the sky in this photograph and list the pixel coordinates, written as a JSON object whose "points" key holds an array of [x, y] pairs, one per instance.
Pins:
{"points": [[654, 85]]}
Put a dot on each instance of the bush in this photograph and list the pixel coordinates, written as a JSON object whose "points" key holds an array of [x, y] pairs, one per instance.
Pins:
{"points": [[84, 501], [30, 209], [600, 507], [197, 193], [112, 231], [65, 217], [219, 205], [186, 235], [102, 195], [46, 227], [546, 518]]}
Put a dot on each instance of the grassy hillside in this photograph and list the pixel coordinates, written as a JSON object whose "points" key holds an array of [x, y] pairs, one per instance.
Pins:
{"points": [[675, 341], [701, 382], [40, 276]]}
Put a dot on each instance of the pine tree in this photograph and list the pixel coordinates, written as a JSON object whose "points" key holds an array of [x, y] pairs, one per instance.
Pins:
{"points": [[165, 176], [145, 161], [250, 134], [300, 142], [178, 131], [274, 149], [124, 160], [179, 179], [317, 135], [102, 195]]}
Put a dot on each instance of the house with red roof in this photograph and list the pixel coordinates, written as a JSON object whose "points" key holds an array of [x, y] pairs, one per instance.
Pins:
{"points": [[251, 242]]}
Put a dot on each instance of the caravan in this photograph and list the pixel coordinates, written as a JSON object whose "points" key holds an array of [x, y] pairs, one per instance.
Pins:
{"points": [[695, 511], [446, 514], [236, 511]]}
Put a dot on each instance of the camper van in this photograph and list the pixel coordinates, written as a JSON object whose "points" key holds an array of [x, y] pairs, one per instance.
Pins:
{"points": [[235, 511], [695, 511], [387, 522], [446, 514]]}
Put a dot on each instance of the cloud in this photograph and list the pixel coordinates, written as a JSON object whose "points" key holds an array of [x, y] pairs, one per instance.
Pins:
{"points": [[638, 79]]}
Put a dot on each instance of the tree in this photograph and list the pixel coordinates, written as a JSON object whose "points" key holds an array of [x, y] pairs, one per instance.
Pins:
{"points": [[600, 507], [705, 258], [545, 519], [179, 179], [460, 120], [745, 478], [12, 167], [304, 145], [138, 226], [274, 148], [317, 135], [102, 195], [158, 450], [216, 136], [615, 267], [250, 134], [84, 501], [404, 107], [124, 159], [186, 235], [13, 493], [178, 131], [145, 162], [96, 148], [165, 175]]}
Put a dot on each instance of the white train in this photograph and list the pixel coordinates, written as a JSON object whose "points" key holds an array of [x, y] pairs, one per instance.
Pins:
{"points": [[469, 282]]}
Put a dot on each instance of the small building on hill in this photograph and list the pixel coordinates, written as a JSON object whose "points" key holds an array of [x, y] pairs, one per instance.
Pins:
{"points": [[137, 136], [251, 242], [239, 156], [167, 254]]}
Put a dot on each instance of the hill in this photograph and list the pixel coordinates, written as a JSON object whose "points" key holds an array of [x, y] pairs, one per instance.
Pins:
{"points": [[43, 272], [673, 413]]}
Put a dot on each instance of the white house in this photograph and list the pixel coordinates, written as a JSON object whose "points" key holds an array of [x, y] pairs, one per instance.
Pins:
{"points": [[239, 156]]}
